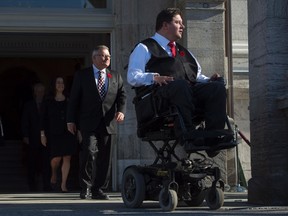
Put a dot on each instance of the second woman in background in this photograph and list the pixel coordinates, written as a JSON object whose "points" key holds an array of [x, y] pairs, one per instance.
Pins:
{"points": [[62, 144]]}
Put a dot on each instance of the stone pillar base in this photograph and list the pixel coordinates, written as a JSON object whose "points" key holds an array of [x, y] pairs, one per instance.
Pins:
{"points": [[271, 190]]}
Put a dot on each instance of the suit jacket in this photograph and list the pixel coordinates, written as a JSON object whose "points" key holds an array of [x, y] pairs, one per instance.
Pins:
{"points": [[85, 106], [30, 125]]}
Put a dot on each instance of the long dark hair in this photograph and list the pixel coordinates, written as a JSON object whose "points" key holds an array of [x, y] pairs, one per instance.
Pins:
{"points": [[52, 88]]}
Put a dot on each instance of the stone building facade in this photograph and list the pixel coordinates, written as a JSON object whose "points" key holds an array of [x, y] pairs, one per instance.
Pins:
{"points": [[45, 40]]}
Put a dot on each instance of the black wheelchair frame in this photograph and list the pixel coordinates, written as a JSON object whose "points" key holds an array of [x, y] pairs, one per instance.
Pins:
{"points": [[170, 178]]}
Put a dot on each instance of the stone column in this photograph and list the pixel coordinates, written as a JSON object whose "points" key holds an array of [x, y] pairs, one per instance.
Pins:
{"points": [[268, 54], [205, 34]]}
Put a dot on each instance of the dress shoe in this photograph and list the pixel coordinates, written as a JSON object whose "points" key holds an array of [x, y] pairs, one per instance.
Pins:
{"points": [[226, 139], [64, 189], [85, 194], [217, 144], [218, 140], [99, 195], [212, 153]]}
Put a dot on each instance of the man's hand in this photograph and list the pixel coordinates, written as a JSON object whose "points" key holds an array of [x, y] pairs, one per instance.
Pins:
{"points": [[71, 127], [215, 77], [162, 80], [119, 116], [43, 140]]}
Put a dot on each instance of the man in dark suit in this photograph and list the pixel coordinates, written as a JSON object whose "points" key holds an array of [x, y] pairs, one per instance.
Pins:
{"points": [[38, 155], [97, 102]]}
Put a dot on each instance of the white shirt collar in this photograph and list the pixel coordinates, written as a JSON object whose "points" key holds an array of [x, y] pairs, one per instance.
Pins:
{"points": [[161, 40], [96, 70]]}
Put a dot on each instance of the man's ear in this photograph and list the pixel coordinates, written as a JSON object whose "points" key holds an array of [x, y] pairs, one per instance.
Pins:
{"points": [[165, 25]]}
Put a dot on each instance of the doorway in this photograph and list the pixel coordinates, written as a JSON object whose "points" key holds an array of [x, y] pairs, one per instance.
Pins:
{"points": [[27, 58], [17, 77]]}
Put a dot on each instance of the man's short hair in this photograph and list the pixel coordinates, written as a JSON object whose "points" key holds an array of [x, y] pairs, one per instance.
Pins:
{"points": [[38, 86], [100, 47], [166, 15]]}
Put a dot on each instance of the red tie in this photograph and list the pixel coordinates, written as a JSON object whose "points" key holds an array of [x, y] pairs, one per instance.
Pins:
{"points": [[173, 48]]}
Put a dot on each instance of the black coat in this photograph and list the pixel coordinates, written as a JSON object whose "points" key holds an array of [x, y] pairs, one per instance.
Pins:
{"points": [[31, 125], [86, 107]]}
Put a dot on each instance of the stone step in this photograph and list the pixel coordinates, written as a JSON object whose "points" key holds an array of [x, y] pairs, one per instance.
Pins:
{"points": [[13, 170]]}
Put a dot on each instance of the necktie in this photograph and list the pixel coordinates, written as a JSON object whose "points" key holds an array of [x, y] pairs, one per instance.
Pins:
{"points": [[173, 48], [101, 85]]}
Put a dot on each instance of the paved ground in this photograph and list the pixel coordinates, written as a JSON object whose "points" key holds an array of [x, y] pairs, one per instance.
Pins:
{"points": [[51, 204]]}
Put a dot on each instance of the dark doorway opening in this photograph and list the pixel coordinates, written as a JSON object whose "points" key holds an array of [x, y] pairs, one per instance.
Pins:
{"points": [[27, 58], [17, 77]]}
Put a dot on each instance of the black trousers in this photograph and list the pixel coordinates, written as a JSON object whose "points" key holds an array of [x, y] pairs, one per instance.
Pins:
{"points": [[38, 164], [95, 159], [211, 98], [208, 98]]}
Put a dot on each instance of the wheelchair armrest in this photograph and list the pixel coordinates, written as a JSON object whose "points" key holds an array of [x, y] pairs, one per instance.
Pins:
{"points": [[142, 92], [148, 104]]}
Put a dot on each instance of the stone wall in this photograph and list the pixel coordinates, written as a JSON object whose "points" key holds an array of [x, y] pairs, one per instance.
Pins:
{"points": [[268, 45]]}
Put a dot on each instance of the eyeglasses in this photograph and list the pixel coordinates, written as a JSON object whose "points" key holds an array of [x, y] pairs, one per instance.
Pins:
{"points": [[104, 56]]}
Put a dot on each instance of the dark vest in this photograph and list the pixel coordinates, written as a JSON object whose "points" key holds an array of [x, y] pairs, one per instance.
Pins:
{"points": [[183, 66]]}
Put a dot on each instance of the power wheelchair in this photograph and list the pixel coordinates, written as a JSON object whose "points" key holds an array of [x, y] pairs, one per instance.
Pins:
{"points": [[170, 178]]}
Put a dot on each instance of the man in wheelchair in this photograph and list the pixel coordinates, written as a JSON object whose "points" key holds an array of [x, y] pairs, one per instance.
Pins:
{"points": [[166, 76]]}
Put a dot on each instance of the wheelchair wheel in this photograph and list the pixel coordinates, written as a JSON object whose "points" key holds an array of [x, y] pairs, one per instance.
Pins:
{"points": [[196, 199], [133, 188], [168, 201], [215, 198]]}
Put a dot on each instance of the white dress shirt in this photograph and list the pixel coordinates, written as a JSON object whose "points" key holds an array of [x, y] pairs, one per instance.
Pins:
{"points": [[140, 56]]}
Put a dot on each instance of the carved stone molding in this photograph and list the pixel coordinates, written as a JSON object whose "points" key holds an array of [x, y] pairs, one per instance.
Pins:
{"points": [[55, 20], [17, 43]]}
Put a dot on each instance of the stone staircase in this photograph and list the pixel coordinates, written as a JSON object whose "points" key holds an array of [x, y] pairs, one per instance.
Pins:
{"points": [[12, 168]]}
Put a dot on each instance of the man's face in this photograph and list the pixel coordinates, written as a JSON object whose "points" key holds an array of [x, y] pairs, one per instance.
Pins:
{"points": [[175, 28], [101, 59], [39, 92]]}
